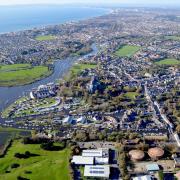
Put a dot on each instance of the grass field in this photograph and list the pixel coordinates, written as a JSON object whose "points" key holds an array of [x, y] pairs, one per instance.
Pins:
{"points": [[45, 38], [78, 68], [47, 166], [20, 74], [127, 51], [131, 95], [168, 62], [176, 38]]}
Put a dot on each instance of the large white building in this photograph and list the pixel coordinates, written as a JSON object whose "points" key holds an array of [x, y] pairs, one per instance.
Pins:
{"points": [[147, 177], [92, 153], [97, 171], [80, 160]]}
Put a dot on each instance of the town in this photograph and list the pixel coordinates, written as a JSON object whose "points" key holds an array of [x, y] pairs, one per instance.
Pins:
{"points": [[118, 109]]}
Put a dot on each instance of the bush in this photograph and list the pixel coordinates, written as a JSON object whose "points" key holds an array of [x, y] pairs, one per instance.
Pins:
{"points": [[15, 165]]}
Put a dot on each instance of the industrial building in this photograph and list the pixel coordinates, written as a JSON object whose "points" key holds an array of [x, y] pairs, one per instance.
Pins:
{"points": [[97, 171]]}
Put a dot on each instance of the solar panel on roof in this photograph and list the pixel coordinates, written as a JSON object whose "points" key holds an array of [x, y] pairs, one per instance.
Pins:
{"points": [[97, 172], [96, 167]]}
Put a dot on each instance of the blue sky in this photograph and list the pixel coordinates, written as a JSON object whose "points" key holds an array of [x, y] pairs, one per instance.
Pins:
{"points": [[12, 2]]}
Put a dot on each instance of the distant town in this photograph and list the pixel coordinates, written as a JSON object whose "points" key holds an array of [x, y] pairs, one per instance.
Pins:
{"points": [[114, 115]]}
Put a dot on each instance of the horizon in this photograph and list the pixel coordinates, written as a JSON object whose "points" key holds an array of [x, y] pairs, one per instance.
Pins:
{"points": [[97, 3]]}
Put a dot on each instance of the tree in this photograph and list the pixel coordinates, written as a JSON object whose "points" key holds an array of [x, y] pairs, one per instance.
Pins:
{"points": [[178, 129]]}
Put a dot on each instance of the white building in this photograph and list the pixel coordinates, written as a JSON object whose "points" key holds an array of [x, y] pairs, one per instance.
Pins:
{"points": [[147, 177], [81, 120], [97, 171], [80, 160], [68, 120], [92, 153], [101, 160]]}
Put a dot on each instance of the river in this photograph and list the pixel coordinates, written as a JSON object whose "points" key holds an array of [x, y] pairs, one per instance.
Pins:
{"points": [[10, 94]]}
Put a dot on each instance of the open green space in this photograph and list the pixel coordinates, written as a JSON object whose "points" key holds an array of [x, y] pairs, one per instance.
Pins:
{"points": [[131, 95], [168, 62], [176, 38], [20, 74], [78, 68], [7, 134], [46, 165], [45, 38], [127, 51]]}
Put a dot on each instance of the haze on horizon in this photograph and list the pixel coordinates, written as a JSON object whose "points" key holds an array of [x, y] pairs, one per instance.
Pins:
{"points": [[130, 2]]}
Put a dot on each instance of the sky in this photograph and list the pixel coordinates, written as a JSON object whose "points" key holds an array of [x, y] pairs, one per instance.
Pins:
{"points": [[163, 2]]}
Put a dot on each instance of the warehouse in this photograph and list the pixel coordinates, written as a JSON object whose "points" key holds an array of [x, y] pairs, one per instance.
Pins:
{"points": [[97, 171]]}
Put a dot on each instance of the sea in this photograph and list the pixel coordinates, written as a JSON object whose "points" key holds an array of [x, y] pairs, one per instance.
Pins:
{"points": [[23, 17], [18, 18]]}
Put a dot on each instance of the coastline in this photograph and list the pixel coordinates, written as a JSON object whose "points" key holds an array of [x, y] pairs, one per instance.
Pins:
{"points": [[49, 25]]}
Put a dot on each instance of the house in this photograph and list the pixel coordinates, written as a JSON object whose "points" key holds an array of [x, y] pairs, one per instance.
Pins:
{"points": [[81, 120], [102, 171], [68, 120], [44, 91]]}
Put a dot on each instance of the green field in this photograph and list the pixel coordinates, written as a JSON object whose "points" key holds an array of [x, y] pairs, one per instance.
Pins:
{"points": [[45, 38], [47, 166], [127, 51], [168, 62], [131, 95], [78, 68], [20, 74], [176, 38]]}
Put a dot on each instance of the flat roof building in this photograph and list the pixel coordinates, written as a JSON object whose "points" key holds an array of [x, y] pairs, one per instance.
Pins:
{"points": [[152, 167], [146, 177], [80, 160], [96, 153], [97, 171], [92, 153]]}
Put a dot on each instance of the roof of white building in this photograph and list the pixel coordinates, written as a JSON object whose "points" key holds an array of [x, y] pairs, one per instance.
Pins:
{"points": [[80, 160], [97, 171], [101, 160], [92, 153], [147, 177]]}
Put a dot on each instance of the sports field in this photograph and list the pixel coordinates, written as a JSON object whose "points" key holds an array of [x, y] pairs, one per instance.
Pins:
{"points": [[127, 51], [176, 38], [45, 165], [45, 38], [168, 62]]}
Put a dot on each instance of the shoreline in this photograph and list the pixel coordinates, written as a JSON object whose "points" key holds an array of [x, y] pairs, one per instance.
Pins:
{"points": [[42, 27]]}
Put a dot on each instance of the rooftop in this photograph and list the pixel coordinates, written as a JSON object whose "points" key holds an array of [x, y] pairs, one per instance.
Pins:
{"points": [[152, 167], [80, 160], [97, 171]]}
